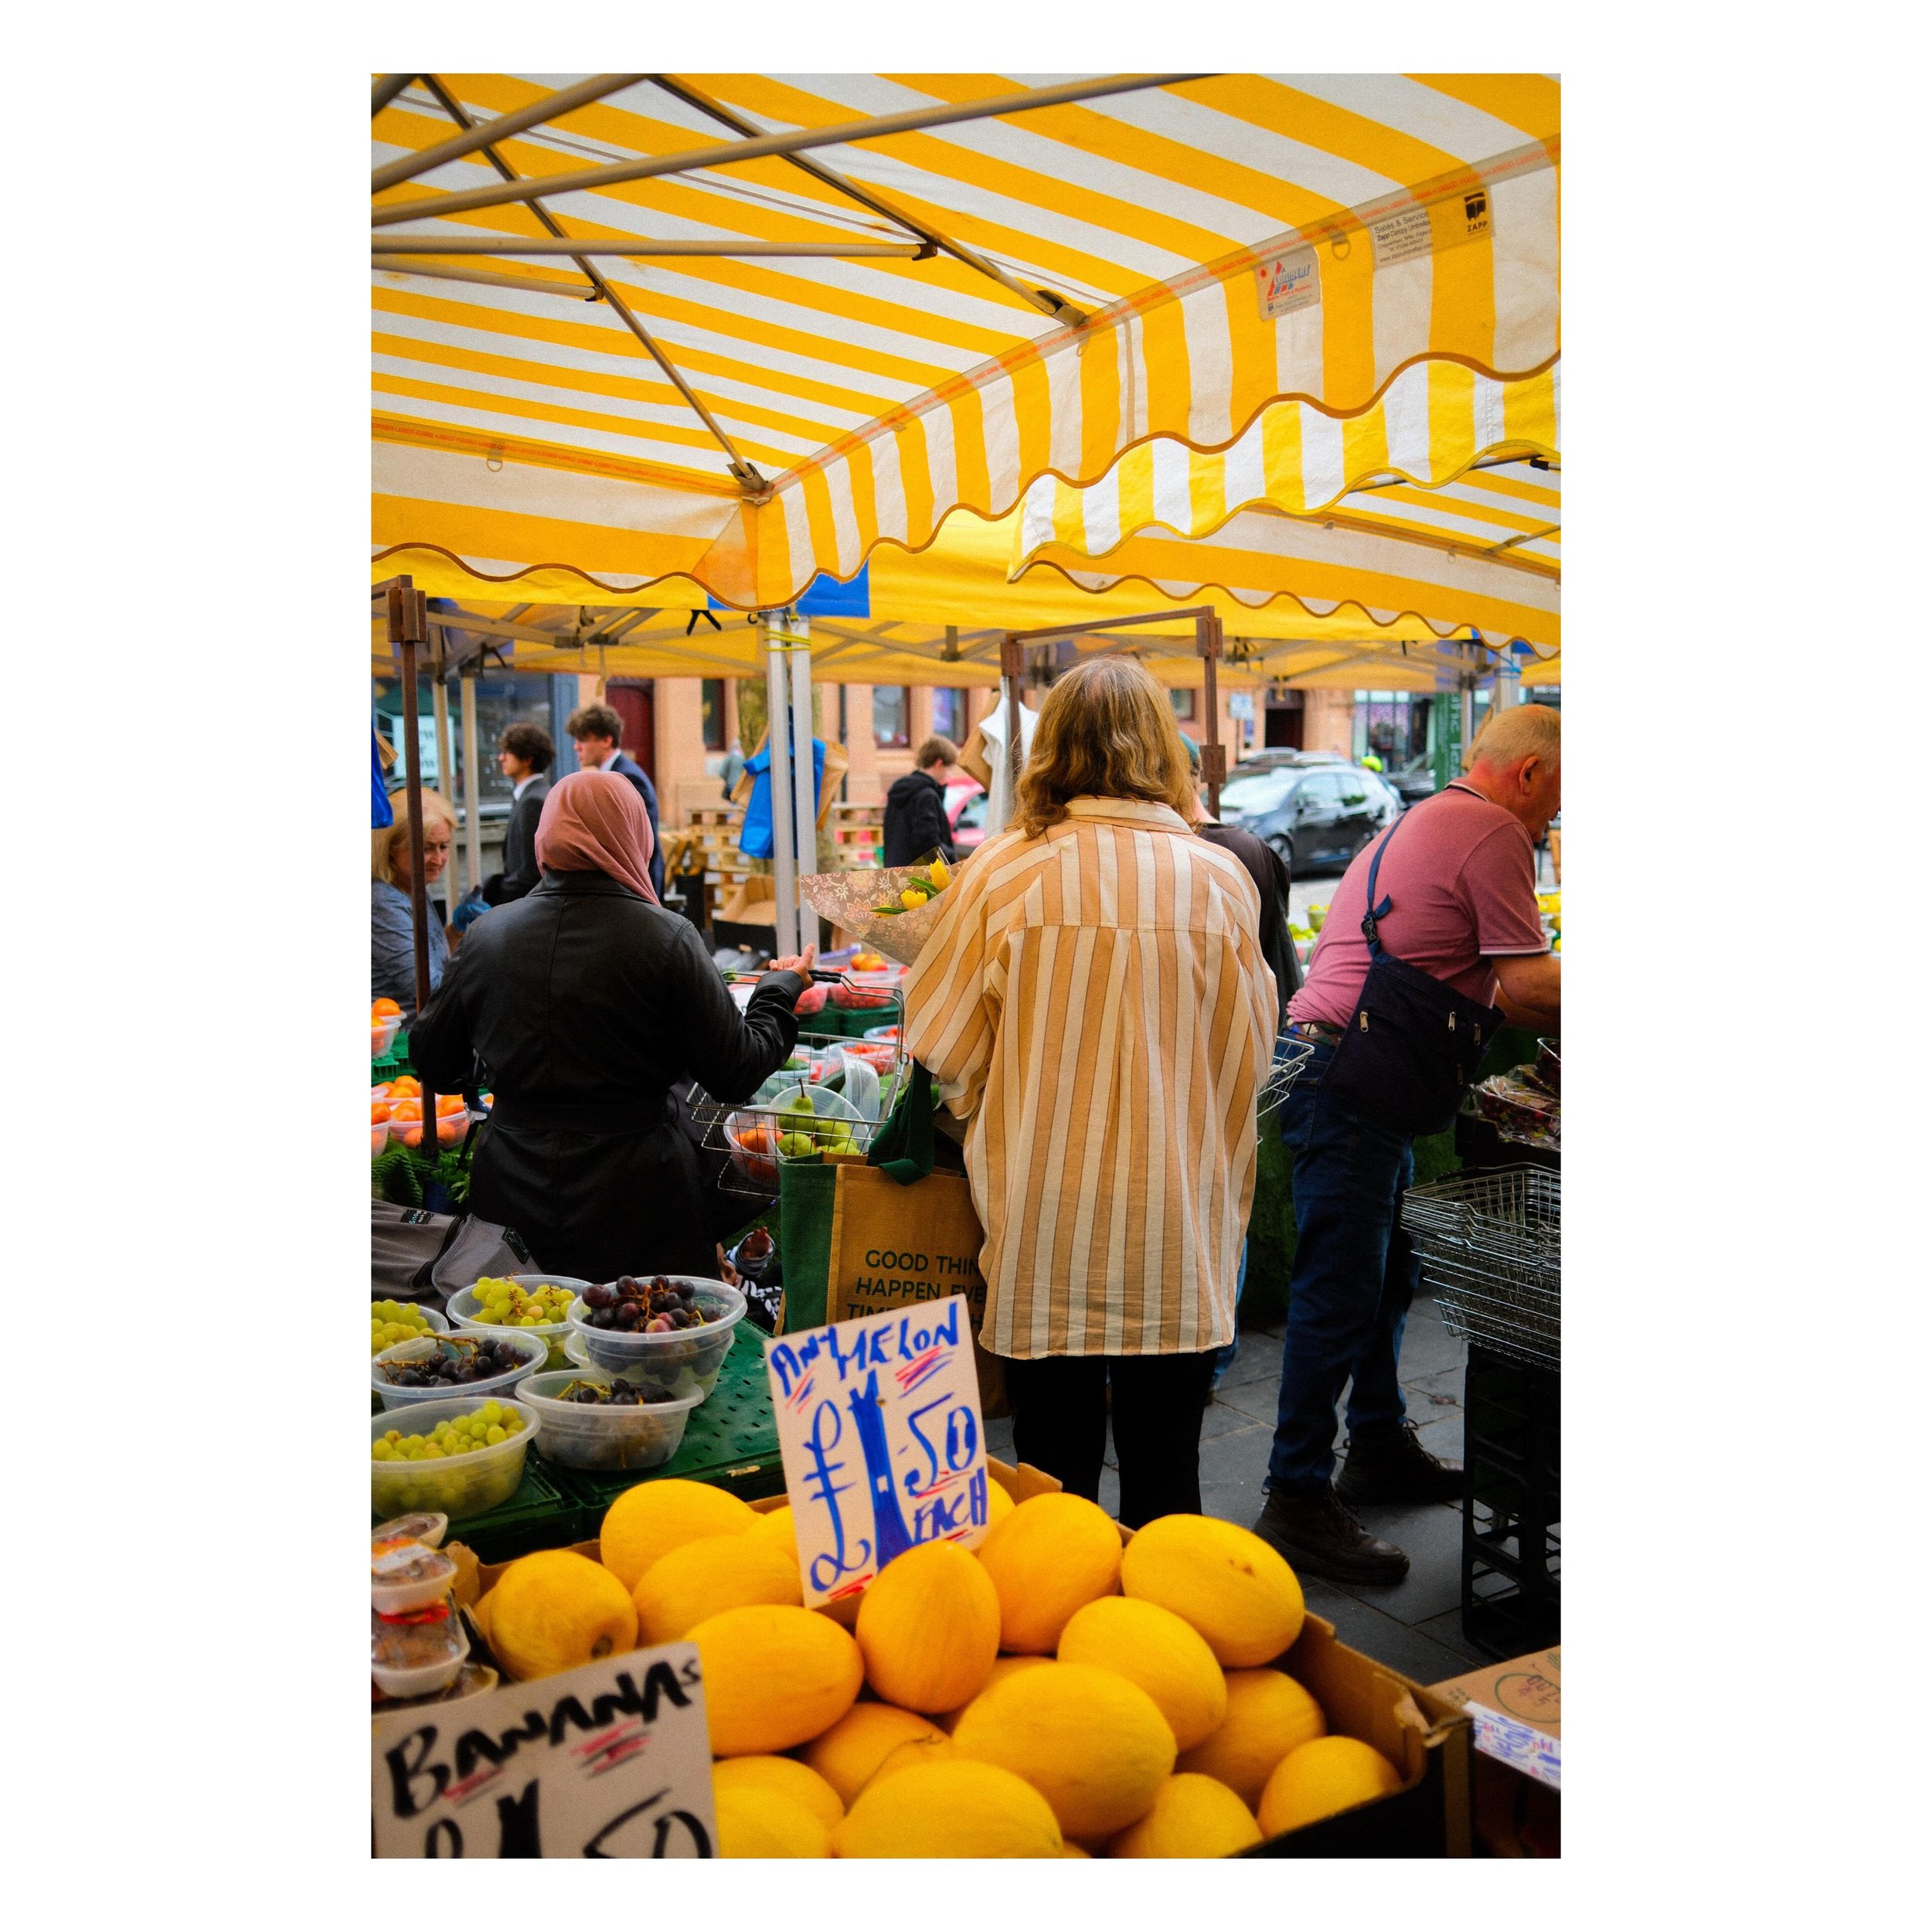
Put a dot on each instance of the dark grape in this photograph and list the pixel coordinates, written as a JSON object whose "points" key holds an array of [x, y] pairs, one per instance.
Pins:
{"points": [[602, 1296], [628, 1316]]}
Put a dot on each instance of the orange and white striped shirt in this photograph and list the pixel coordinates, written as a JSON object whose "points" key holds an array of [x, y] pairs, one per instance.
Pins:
{"points": [[1095, 1001]]}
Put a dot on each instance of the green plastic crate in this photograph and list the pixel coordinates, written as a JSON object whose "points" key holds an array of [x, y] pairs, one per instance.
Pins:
{"points": [[396, 1060], [732, 1440]]}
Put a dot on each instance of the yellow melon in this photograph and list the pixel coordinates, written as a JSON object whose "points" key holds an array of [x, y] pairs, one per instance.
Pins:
{"points": [[1070, 1850], [1095, 1747], [1324, 1776], [778, 1525], [915, 1750], [848, 1754], [999, 1503], [1153, 1648], [1269, 1715], [929, 1628], [654, 1518], [554, 1609], [1222, 1578], [480, 1614], [773, 1676], [1003, 1667], [1052, 1554], [755, 1824], [784, 1776], [1192, 1817], [954, 1810], [697, 1581]]}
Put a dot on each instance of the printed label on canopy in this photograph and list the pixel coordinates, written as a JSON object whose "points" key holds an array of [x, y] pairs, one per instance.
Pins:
{"points": [[612, 1761], [1289, 282], [879, 1423]]}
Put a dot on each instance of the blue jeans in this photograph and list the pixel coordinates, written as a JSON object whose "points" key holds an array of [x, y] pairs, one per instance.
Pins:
{"points": [[1355, 1275]]}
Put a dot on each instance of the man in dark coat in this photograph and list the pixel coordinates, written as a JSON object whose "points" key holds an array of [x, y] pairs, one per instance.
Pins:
{"points": [[916, 819], [524, 754], [597, 732]]}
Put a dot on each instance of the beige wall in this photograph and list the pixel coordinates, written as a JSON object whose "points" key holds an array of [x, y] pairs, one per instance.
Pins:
{"points": [[1328, 722]]}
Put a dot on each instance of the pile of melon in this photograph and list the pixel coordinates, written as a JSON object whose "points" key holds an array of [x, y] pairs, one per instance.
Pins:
{"points": [[1052, 1694]]}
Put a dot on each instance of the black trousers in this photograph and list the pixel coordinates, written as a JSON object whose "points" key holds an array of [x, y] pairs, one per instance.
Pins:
{"points": [[1059, 1425]]}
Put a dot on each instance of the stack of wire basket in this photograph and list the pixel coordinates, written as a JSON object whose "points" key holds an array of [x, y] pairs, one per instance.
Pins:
{"points": [[1491, 1247]]}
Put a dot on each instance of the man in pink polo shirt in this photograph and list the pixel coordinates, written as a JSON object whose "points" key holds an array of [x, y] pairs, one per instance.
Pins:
{"points": [[1458, 873]]}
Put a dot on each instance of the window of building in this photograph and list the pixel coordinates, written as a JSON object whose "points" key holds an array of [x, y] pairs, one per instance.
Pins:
{"points": [[712, 703], [949, 713], [892, 712], [1183, 703]]}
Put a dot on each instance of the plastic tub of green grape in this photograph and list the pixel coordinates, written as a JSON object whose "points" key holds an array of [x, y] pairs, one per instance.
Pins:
{"points": [[470, 1483], [599, 1435], [467, 1312]]}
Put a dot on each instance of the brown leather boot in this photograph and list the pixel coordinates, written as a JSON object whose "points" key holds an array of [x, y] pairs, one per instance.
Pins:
{"points": [[1317, 1534], [1393, 1466]]}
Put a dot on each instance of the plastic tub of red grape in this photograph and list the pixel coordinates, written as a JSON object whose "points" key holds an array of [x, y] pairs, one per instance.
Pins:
{"points": [[603, 1435], [527, 1352], [678, 1361]]}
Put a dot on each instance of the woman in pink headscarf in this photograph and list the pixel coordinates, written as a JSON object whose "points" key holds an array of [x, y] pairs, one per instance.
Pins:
{"points": [[582, 1005]]}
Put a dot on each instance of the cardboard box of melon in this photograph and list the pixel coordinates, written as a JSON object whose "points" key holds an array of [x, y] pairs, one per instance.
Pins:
{"points": [[1068, 1689]]}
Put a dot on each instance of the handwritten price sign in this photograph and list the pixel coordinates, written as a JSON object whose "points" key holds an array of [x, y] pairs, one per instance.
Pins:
{"points": [[879, 1424], [610, 1761]]}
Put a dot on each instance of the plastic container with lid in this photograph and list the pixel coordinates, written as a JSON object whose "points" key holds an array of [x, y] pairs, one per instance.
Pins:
{"points": [[415, 1653], [382, 1035], [586, 1435], [531, 1349], [438, 1322], [463, 1306], [406, 1575], [469, 1484], [662, 1359]]}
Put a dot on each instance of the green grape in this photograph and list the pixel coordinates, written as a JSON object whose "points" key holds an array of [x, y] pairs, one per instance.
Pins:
{"points": [[492, 1411], [496, 1436]]}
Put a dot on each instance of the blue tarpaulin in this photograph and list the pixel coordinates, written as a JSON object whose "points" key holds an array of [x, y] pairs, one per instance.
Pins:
{"points": [[754, 840]]}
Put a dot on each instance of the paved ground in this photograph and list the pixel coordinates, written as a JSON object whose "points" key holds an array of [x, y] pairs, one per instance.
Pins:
{"points": [[1417, 1625]]}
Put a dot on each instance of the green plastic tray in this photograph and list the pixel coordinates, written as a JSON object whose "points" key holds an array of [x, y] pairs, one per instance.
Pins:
{"points": [[396, 1060], [731, 1440], [540, 1516]]}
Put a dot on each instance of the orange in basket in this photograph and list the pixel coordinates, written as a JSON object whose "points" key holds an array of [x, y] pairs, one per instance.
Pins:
{"points": [[406, 1110], [383, 1009], [448, 1104], [405, 1083], [379, 1111]]}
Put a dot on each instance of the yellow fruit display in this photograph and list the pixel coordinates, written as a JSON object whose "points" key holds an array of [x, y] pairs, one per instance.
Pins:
{"points": [[785, 1777], [555, 1609], [1095, 1747], [1070, 1850], [929, 1627], [1052, 1554], [999, 1505], [1324, 1776], [843, 1610], [1152, 1647], [754, 1824], [656, 1518], [1269, 1716], [480, 1614], [1192, 1817], [697, 1581], [776, 1524], [954, 1810], [773, 1676], [1222, 1578], [1003, 1667], [915, 1750], [847, 1754]]}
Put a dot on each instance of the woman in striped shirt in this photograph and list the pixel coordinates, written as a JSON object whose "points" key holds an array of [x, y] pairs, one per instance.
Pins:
{"points": [[1094, 1001]]}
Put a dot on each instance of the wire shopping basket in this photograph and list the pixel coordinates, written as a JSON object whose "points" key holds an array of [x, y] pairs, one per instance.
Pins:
{"points": [[1491, 1247], [1292, 1057]]}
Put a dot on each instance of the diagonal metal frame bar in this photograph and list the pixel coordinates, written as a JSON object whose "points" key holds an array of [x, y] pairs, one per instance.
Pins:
{"points": [[603, 245], [1045, 300], [525, 284], [750, 479], [724, 154], [482, 134], [387, 87]]}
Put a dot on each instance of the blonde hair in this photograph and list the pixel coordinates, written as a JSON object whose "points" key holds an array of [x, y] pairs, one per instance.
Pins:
{"points": [[1106, 731], [1523, 731], [385, 840]]}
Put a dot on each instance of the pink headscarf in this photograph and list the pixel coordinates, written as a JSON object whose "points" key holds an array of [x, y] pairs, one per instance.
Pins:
{"points": [[595, 822]]}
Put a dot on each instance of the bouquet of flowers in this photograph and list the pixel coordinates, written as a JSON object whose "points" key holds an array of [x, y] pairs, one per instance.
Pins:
{"points": [[893, 910]]}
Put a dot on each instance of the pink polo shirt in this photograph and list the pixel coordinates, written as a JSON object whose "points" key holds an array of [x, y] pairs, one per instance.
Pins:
{"points": [[1461, 874]]}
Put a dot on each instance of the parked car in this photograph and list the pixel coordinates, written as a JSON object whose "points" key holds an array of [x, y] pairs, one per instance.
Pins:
{"points": [[1273, 755], [1413, 782], [1315, 816], [966, 812]]}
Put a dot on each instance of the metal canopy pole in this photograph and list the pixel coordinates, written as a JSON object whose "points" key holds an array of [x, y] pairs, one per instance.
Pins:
{"points": [[547, 107], [1012, 667], [805, 786], [408, 610], [1214, 764], [784, 882], [472, 781], [386, 245]]}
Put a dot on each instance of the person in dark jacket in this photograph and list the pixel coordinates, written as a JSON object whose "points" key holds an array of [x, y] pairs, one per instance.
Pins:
{"points": [[916, 819], [524, 754], [1265, 866], [597, 732], [587, 1002]]}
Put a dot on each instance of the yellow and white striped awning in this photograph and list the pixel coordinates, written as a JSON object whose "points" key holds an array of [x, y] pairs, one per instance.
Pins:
{"points": [[1163, 261]]}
